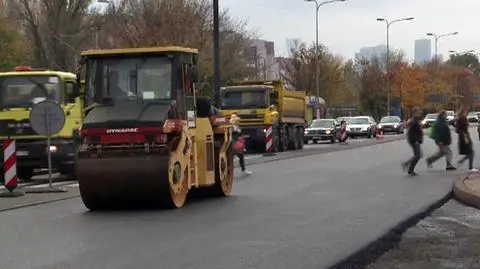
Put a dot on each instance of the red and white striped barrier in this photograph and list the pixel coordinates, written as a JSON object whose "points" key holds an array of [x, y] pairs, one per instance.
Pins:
{"points": [[10, 164], [268, 139]]}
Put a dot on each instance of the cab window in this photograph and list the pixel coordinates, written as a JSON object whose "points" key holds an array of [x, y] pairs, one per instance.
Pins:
{"points": [[70, 89]]}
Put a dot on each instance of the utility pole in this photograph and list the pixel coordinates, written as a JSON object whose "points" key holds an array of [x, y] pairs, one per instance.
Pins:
{"points": [[216, 54], [388, 23], [317, 79], [437, 37], [457, 65]]}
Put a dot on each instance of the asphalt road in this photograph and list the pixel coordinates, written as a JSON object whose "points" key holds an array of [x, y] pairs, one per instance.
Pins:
{"points": [[305, 212]]}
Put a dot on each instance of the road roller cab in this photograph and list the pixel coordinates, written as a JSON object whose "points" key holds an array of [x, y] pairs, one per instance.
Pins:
{"points": [[148, 140]]}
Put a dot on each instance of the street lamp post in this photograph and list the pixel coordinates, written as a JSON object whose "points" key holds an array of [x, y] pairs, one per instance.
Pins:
{"points": [[318, 4], [216, 53], [388, 23], [437, 37], [457, 65]]}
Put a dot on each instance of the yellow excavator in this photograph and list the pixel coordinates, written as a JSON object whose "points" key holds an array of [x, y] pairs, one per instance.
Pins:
{"points": [[148, 140]]}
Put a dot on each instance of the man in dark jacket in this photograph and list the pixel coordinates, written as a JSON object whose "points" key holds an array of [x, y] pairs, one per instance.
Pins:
{"points": [[414, 139], [443, 139]]}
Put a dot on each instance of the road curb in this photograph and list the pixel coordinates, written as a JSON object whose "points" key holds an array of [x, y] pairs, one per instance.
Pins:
{"points": [[36, 203], [389, 240], [466, 194]]}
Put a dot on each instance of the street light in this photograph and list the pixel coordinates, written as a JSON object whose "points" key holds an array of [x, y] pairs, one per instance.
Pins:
{"points": [[462, 52], [457, 65], [388, 23], [437, 37], [318, 4], [216, 53]]}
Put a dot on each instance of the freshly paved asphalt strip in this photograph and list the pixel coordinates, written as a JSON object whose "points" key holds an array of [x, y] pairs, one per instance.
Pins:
{"points": [[306, 212], [324, 147]]}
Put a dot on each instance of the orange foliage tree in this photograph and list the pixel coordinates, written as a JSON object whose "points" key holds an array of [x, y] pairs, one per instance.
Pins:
{"points": [[410, 85]]}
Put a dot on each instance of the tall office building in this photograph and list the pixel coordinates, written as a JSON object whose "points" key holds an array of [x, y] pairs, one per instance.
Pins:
{"points": [[368, 53], [292, 45], [262, 57], [423, 51]]}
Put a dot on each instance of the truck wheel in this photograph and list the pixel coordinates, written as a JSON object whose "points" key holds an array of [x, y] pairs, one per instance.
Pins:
{"points": [[300, 138], [283, 139], [292, 141], [25, 174], [275, 141], [70, 170]]}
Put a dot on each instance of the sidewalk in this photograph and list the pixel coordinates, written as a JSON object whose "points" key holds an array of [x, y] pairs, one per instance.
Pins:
{"points": [[467, 189]]}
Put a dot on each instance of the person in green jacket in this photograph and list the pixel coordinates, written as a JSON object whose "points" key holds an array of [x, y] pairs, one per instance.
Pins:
{"points": [[443, 139]]}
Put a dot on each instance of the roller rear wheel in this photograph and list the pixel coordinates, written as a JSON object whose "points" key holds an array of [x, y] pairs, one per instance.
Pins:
{"points": [[178, 185], [223, 173]]}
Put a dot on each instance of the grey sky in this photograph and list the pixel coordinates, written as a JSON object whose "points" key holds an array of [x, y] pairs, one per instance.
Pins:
{"points": [[346, 26]]}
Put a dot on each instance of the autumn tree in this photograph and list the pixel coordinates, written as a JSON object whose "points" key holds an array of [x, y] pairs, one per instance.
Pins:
{"points": [[410, 86], [299, 71], [468, 61], [56, 29], [189, 23], [352, 84], [12, 46], [373, 76], [372, 94]]}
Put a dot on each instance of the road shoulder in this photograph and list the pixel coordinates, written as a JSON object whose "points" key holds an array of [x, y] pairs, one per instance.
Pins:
{"points": [[37, 199]]}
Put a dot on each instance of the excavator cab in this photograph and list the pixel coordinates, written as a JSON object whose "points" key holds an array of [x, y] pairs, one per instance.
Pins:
{"points": [[148, 140]]}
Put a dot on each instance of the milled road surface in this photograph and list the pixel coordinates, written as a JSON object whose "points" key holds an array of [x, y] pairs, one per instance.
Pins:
{"points": [[307, 212]]}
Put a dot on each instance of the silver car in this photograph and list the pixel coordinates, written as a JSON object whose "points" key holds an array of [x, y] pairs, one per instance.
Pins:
{"points": [[362, 126]]}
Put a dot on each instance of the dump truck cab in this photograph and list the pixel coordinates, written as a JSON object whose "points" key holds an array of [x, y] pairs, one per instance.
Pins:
{"points": [[147, 138], [255, 105], [19, 91]]}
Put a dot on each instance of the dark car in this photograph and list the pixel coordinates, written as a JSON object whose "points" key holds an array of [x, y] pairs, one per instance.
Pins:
{"points": [[391, 124], [322, 129]]}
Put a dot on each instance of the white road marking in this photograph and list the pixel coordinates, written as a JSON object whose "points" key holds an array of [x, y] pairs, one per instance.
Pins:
{"points": [[253, 157]]}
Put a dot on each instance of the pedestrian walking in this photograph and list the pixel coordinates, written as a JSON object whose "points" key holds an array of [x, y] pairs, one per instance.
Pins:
{"points": [[415, 140], [465, 143], [478, 125], [238, 142], [343, 132], [443, 139]]}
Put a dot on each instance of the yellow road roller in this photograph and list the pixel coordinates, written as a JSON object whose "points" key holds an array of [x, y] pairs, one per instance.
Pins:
{"points": [[148, 140]]}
